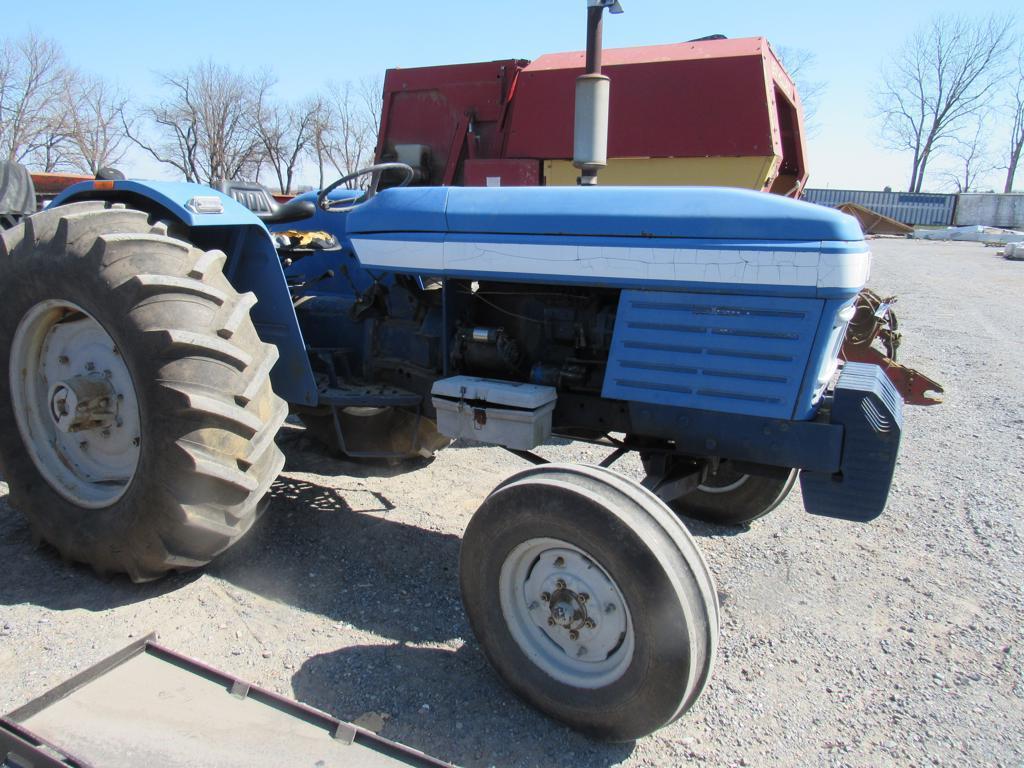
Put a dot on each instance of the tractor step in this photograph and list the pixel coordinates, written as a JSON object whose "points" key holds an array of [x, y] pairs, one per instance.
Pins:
{"points": [[375, 396]]}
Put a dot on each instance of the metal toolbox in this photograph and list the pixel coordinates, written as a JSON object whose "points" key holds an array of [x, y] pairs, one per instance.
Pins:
{"points": [[507, 413]]}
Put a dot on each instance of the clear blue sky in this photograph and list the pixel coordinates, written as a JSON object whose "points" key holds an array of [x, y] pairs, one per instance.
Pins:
{"points": [[350, 39]]}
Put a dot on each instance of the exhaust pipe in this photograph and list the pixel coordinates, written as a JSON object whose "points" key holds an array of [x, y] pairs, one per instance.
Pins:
{"points": [[590, 125]]}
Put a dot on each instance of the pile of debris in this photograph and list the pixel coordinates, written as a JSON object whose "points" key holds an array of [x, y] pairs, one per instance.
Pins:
{"points": [[874, 223], [975, 233], [1014, 251]]}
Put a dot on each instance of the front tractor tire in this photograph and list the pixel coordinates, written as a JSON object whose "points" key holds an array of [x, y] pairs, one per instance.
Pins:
{"points": [[590, 599], [138, 414]]}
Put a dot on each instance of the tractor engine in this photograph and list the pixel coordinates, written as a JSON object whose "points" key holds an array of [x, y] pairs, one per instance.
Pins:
{"points": [[556, 336]]}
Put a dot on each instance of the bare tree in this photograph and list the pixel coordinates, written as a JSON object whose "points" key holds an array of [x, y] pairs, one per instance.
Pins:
{"points": [[33, 77], [972, 161], [285, 131], [95, 134], [799, 63], [204, 127], [350, 144], [321, 135], [945, 73], [371, 93], [1016, 108], [51, 149], [353, 132]]}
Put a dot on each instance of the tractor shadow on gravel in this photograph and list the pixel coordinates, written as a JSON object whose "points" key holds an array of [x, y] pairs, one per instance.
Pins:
{"points": [[36, 575], [335, 552], [313, 551], [447, 703], [305, 453]]}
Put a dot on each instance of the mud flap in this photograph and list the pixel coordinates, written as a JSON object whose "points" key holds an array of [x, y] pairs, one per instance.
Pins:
{"points": [[870, 411]]}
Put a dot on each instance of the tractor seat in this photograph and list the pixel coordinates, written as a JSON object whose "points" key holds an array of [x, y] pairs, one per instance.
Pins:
{"points": [[17, 194], [258, 199]]}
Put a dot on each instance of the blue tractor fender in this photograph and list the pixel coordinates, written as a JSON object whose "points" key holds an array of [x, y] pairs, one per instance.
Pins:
{"points": [[216, 221]]}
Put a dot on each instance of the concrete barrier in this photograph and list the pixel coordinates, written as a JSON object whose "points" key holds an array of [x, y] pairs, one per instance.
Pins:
{"points": [[990, 210]]}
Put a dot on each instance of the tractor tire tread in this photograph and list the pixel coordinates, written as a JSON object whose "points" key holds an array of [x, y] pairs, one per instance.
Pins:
{"points": [[229, 414], [207, 262], [149, 284], [236, 315], [182, 343]]}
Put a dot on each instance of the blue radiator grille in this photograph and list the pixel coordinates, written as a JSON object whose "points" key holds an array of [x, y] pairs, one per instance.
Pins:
{"points": [[736, 354]]}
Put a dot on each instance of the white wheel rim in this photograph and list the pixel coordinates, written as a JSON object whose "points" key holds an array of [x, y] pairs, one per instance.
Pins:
{"points": [[75, 404], [363, 411], [724, 488], [566, 613]]}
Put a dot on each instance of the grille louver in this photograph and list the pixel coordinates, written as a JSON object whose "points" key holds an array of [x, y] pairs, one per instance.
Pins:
{"points": [[736, 354]]}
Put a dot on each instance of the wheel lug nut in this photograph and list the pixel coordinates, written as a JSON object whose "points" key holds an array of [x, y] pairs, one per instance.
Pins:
{"points": [[559, 584], [590, 624], [545, 596], [583, 596], [551, 621], [574, 635], [559, 562]]}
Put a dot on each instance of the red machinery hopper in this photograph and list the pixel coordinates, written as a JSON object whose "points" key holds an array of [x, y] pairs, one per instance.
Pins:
{"points": [[719, 112]]}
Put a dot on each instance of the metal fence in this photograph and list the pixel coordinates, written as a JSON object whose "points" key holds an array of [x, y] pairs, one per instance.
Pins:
{"points": [[919, 208]]}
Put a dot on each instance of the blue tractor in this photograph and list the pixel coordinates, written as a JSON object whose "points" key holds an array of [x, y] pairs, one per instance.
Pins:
{"points": [[158, 334], [157, 339]]}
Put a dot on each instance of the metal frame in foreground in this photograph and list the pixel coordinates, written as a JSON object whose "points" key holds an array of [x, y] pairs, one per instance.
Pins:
{"points": [[47, 733]]}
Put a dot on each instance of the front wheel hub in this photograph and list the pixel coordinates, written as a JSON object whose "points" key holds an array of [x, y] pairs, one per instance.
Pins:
{"points": [[568, 610], [566, 613]]}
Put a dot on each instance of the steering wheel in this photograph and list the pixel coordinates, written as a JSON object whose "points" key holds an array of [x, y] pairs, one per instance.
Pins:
{"points": [[323, 201]]}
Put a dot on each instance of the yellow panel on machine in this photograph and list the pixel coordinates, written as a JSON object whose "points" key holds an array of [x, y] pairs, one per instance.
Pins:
{"points": [[746, 172]]}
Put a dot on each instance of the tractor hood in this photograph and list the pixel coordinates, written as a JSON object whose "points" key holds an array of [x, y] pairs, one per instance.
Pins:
{"points": [[691, 238], [706, 213]]}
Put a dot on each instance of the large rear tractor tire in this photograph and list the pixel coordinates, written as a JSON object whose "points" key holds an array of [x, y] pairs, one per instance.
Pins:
{"points": [[590, 599], [137, 410]]}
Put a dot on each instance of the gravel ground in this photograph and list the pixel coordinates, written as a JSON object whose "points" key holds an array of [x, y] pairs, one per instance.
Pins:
{"points": [[897, 642]]}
